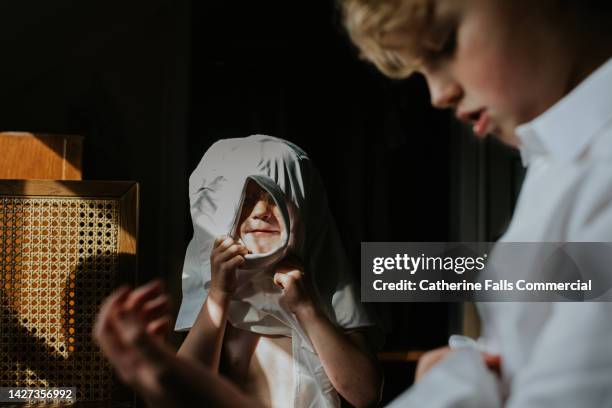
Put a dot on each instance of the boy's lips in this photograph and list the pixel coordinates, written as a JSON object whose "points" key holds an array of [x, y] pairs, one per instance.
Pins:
{"points": [[262, 231], [481, 126], [479, 120]]}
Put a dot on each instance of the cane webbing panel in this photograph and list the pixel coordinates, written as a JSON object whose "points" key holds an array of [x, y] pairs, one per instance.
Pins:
{"points": [[59, 258]]}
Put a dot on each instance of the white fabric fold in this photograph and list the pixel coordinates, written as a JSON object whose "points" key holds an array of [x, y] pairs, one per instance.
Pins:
{"points": [[461, 380]]}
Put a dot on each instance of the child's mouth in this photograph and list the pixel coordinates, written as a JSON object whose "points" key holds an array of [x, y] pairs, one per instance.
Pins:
{"points": [[481, 125], [262, 232], [479, 119]]}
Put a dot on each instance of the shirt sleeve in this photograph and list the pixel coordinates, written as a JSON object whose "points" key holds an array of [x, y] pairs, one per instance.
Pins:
{"points": [[571, 362]]}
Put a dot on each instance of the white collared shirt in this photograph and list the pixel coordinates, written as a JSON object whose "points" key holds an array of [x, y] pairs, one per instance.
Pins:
{"points": [[570, 127], [553, 354]]}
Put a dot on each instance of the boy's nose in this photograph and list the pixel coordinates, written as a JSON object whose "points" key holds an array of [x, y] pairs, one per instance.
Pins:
{"points": [[262, 210], [444, 91]]}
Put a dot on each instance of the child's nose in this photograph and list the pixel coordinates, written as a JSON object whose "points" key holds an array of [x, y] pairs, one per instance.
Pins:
{"points": [[444, 91], [262, 210]]}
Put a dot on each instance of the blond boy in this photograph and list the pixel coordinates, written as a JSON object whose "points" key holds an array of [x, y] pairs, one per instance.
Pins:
{"points": [[538, 76]]}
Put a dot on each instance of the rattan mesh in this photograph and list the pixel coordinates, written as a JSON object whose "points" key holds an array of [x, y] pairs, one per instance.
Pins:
{"points": [[58, 260]]}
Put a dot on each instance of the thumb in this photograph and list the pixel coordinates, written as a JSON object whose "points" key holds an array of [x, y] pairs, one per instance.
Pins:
{"points": [[280, 280]]}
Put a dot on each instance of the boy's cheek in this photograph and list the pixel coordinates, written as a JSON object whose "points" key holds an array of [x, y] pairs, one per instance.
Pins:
{"points": [[495, 79], [494, 68], [487, 85]]}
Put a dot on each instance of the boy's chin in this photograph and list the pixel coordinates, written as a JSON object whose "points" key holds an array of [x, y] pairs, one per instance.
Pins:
{"points": [[261, 248], [506, 137]]}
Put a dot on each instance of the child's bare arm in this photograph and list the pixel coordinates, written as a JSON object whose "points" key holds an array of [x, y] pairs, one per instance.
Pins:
{"points": [[347, 359], [204, 341]]}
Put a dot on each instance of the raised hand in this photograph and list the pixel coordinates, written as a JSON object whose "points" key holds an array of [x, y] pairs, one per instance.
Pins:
{"points": [[433, 357], [129, 330], [226, 256], [289, 276]]}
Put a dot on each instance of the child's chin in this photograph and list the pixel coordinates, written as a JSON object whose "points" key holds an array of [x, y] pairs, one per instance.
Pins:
{"points": [[508, 138], [262, 248]]}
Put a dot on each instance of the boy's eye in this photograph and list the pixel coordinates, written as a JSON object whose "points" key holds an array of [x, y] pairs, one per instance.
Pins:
{"points": [[447, 49], [267, 198], [441, 49], [252, 198]]}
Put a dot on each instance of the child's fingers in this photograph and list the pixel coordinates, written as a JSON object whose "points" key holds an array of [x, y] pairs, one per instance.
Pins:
{"points": [[126, 325], [282, 280], [142, 294], [130, 329], [155, 308], [135, 336], [234, 263], [295, 273], [109, 343], [429, 360], [219, 240], [139, 347], [120, 357], [113, 302], [107, 336], [159, 327], [127, 344], [231, 251], [224, 243]]}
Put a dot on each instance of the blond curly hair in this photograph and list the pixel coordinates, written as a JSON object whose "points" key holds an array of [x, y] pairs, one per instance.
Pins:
{"points": [[369, 22]]}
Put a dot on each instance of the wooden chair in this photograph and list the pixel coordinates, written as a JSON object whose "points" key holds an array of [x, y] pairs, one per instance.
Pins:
{"points": [[40, 156], [64, 245]]}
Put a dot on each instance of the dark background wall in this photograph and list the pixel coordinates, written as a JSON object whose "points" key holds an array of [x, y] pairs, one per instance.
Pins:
{"points": [[116, 73], [151, 84], [288, 71]]}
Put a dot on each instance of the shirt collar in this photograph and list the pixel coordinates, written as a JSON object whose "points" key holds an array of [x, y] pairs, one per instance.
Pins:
{"points": [[565, 130]]}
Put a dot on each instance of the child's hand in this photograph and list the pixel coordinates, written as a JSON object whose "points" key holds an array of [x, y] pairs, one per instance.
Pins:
{"points": [[226, 256], [151, 307], [289, 276], [433, 357], [129, 329], [493, 363], [429, 360]]}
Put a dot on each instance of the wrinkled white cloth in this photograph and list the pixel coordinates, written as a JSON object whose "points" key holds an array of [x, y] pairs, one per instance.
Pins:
{"points": [[445, 385], [216, 190], [554, 355]]}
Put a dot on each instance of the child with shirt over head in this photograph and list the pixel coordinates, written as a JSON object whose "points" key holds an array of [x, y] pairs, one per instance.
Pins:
{"points": [[538, 76], [273, 315], [267, 291]]}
